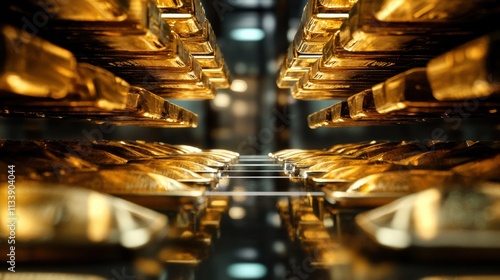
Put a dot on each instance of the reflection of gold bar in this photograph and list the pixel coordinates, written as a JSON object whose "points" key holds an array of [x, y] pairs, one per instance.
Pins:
{"points": [[335, 115], [350, 70], [154, 108], [467, 71]]}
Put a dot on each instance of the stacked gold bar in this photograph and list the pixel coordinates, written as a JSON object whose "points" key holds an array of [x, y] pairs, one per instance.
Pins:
{"points": [[464, 74], [131, 54], [116, 197], [187, 19], [41, 79], [370, 185], [149, 47], [381, 39], [320, 21]]}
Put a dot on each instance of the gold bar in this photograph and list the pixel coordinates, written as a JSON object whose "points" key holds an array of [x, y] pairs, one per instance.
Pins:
{"points": [[320, 18], [362, 107], [334, 116], [468, 71], [288, 77], [91, 229], [294, 66], [308, 42], [320, 94], [93, 89], [341, 114], [432, 205], [364, 33], [341, 5], [306, 88], [199, 39], [319, 22], [143, 188], [34, 67], [299, 61], [138, 46], [408, 91], [185, 19], [434, 10], [215, 68]]}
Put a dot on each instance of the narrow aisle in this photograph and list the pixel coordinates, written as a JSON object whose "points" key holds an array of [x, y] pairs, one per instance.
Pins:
{"points": [[253, 241]]}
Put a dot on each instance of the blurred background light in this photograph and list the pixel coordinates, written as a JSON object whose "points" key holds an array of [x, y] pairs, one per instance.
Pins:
{"points": [[247, 34], [246, 271]]}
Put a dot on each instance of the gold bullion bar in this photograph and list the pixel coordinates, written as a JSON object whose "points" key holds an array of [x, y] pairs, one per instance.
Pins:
{"points": [[467, 71]]}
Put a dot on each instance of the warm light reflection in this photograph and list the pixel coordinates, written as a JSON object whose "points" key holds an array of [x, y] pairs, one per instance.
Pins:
{"points": [[148, 266], [240, 108], [393, 238], [389, 8], [134, 238], [99, 217], [218, 203], [222, 100], [237, 213], [239, 85], [247, 271], [425, 214]]}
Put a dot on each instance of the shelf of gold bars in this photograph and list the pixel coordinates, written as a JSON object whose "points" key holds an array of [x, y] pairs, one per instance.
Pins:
{"points": [[112, 61], [115, 62], [373, 204], [391, 62]]}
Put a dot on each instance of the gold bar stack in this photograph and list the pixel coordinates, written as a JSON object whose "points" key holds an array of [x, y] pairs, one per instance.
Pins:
{"points": [[395, 61], [113, 60]]}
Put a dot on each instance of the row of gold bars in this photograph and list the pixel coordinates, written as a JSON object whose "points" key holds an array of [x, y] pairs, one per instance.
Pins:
{"points": [[109, 61], [380, 201], [394, 61], [145, 202]]}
